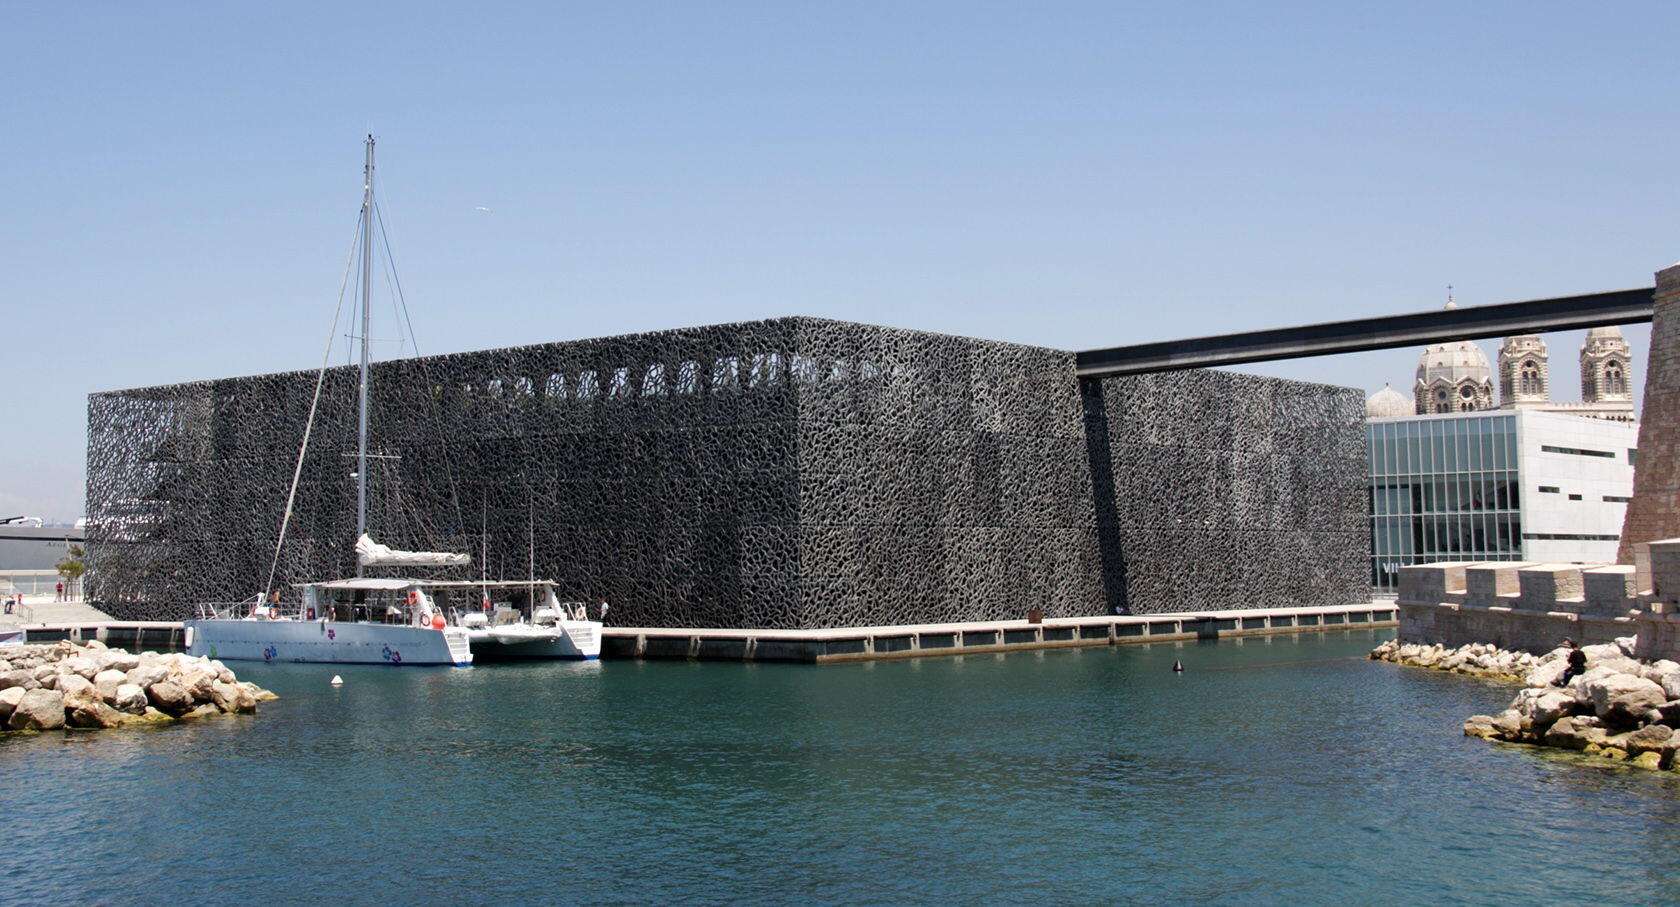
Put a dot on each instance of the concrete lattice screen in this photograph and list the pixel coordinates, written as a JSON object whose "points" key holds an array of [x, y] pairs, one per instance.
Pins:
{"points": [[789, 473]]}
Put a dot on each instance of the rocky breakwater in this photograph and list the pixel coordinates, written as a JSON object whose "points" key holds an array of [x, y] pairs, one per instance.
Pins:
{"points": [[1476, 659], [1619, 708], [63, 685]]}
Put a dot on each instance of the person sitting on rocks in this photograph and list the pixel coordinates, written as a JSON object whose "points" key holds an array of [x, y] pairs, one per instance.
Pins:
{"points": [[1577, 663]]}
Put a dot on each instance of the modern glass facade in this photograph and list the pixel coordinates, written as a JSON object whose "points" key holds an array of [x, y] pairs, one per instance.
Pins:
{"points": [[1443, 489]]}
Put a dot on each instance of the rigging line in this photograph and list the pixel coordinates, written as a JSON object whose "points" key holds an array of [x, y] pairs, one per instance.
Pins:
{"points": [[314, 403], [390, 272], [425, 371]]}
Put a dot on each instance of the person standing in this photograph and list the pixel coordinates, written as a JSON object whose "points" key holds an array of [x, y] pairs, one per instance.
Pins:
{"points": [[59, 596], [604, 607]]}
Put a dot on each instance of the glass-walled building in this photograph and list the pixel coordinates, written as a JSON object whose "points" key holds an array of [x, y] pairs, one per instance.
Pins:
{"points": [[1499, 485]]}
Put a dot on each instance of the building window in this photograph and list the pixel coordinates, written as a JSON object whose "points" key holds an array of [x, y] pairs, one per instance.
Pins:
{"points": [[1574, 497], [1616, 499], [1579, 452], [1529, 383], [1563, 537], [1633, 453], [1548, 489], [1615, 382]]}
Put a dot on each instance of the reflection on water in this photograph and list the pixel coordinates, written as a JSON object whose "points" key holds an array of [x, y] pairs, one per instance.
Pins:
{"points": [[1272, 768]]}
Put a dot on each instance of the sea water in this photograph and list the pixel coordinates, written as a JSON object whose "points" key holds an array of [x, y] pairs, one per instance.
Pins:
{"points": [[1274, 769]]}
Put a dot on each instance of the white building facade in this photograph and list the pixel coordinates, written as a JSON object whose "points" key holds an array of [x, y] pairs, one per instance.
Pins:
{"points": [[1497, 485]]}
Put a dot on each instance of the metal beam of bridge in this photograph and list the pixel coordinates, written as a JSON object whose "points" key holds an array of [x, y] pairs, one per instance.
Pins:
{"points": [[1384, 332]]}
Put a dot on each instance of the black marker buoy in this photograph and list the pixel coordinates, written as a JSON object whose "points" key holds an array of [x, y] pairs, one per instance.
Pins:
{"points": [[1178, 667]]}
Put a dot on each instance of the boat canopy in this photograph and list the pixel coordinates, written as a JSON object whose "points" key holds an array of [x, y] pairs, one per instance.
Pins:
{"points": [[372, 554], [374, 583], [361, 582]]}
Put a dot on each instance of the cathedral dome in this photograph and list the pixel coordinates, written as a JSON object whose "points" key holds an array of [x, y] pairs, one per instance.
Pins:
{"points": [[1454, 362], [1387, 404]]}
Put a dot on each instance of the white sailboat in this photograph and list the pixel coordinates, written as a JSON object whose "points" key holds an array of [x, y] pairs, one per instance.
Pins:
{"points": [[361, 620], [553, 629]]}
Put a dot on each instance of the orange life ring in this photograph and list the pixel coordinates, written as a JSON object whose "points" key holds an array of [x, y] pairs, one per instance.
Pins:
{"points": [[414, 596]]}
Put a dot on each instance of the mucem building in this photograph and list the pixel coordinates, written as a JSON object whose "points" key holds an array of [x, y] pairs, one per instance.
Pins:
{"points": [[791, 473]]}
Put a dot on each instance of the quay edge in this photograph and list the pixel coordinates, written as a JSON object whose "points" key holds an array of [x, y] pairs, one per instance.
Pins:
{"points": [[853, 644]]}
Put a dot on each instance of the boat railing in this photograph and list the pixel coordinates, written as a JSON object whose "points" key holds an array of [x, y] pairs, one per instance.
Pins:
{"points": [[235, 610]]}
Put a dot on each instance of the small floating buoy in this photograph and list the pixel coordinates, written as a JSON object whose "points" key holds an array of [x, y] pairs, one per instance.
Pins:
{"points": [[1178, 667], [337, 681]]}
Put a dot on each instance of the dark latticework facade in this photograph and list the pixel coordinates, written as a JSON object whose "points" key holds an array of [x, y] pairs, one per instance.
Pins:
{"points": [[1216, 490], [788, 473]]}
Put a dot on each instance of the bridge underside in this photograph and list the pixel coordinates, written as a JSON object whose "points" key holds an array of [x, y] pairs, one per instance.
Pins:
{"points": [[1562, 313]]}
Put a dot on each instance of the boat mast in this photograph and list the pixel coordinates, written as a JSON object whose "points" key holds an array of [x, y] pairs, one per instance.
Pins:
{"points": [[362, 404]]}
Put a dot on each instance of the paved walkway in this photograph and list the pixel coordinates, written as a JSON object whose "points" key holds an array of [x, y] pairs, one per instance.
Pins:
{"points": [[41, 609]]}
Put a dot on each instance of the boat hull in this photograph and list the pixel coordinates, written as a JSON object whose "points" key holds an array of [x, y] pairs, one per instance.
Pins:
{"points": [[579, 640], [326, 642]]}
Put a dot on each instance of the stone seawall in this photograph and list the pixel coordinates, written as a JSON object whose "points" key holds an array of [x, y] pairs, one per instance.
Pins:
{"points": [[1448, 624], [1533, 607]]}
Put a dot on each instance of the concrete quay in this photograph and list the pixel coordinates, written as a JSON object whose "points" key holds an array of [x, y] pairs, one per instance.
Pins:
{"points": [[847, 644], [135, 635]]}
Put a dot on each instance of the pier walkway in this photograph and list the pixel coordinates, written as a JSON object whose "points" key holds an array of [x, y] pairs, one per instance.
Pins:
{"points": [[980, 637], [843, 644]]}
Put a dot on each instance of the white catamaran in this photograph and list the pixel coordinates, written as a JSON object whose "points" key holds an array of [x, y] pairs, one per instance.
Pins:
{"points": [[389, 620]]}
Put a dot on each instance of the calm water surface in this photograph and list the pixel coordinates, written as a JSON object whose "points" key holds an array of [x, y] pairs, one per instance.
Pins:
{"points": [[1271, 770]]}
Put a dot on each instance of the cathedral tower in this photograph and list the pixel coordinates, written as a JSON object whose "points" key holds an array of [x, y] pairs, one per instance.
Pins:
{"points": [[1605, 374], [1524, 376]]}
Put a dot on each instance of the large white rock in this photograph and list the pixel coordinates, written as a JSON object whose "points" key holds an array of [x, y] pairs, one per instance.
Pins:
{"points": [[1652, 738], [117, 660], [1624, 698], [39, 710], [76, 688], [131, 698], [1579, 685], [94, 713], [1670, 683], [17, 678], [1543, 706], [85, 667], [147, 674], [1545, 674], [1575, 732], [169, 698], [9, 698], [107, 681], [199, 684], [1628, 644]]}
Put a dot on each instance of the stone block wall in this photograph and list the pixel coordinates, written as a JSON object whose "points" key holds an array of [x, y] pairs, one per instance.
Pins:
{"points": [[1654, 512]]}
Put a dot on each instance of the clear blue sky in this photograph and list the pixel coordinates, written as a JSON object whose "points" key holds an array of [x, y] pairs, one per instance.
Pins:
{"points": [[181, 180]]}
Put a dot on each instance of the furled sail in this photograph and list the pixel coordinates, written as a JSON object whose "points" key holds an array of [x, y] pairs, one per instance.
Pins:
{"points": [[372, 554]]}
